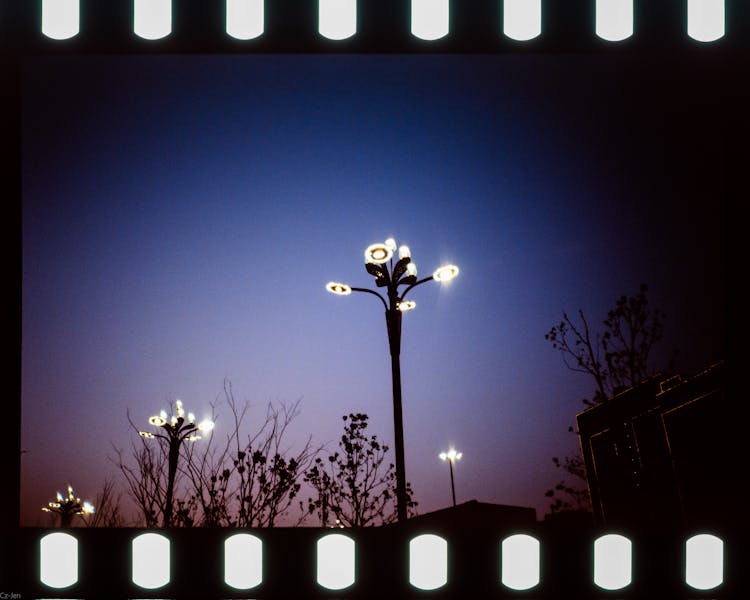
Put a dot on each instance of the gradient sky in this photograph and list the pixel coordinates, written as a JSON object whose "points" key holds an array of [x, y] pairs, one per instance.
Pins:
{"points": [[182, 214]]}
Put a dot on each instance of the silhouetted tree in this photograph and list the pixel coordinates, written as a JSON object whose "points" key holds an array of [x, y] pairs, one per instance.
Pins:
{"points": [[248, 482], [567, 495], [108, 507], [354, 485], [252, 482], [146, 476], [616, 357]]}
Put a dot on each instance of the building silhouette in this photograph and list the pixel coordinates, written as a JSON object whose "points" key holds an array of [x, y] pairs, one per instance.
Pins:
{"points": [[660, 454]]}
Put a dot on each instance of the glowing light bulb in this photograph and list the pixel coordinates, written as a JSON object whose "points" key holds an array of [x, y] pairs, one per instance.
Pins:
{"points": [[206, 425], [445, 273], [451, 455], [340, 289], [378, 253]]}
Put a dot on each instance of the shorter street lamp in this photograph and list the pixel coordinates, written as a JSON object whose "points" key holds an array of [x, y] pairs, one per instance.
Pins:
{"points": [[177, 431], [451, 456], [68, 507]]}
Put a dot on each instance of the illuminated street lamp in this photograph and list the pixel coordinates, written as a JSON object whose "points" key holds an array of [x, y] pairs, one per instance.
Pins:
{"points": [[379, 262], [177, 429], [451, 456], [68, 507]]}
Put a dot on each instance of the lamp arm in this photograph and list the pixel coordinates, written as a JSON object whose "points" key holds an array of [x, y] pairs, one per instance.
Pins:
{"points": [[374, 293], [187, 432], [413, 285], [158, 435]]}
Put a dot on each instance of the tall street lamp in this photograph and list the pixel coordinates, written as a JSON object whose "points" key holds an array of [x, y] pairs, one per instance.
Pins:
{"points": [[451, 456], [68, 507], [379, 262], [177, 429]]}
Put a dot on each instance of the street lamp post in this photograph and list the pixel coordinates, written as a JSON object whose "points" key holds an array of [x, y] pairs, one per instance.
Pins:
{"points": [[451, 456], [379, 263], [177, 431], [68, 507]]}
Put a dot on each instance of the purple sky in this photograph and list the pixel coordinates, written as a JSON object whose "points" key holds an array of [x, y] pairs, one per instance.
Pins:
{"points": [[181, 216]]}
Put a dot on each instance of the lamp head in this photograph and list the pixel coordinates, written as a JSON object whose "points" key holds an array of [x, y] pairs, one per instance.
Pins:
{"points": [[340, 289], [206, 425], [445, 273], [451, 455], [379, 253]]}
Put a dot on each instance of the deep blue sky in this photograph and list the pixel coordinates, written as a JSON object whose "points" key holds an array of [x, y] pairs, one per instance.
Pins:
{"points": [[182, 214]]}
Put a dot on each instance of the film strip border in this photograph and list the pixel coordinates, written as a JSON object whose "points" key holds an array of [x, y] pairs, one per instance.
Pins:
{"points": [[232, 26], [321, 562]]}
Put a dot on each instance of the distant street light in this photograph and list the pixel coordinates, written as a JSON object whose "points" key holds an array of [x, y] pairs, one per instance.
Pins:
{"points": [[177, 431], [391, 276], [68, 507], [451, 456]]}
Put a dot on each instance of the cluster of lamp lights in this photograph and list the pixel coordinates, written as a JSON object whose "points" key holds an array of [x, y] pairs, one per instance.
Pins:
{"points": [[404, 273], [68, 506], [176, 425]]}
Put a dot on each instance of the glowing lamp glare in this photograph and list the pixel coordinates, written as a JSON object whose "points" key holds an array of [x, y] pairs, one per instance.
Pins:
{"points": [[340, 289], [445, 273], [378, 253], [206, 425]]}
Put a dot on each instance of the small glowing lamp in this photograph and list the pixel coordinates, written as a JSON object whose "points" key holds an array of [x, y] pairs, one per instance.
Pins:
{"points": [[404, 252], [378, 253], [451, 455], [405, 305], [445, 273], [157, 420], [340, 289], [146, 434], [391, 244], [206, 425]]}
